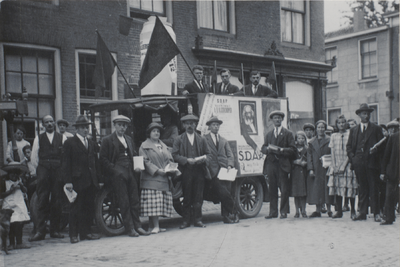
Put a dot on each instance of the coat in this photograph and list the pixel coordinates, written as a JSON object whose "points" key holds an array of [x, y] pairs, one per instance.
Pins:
{"points": [[373, 135], [317, 190], [79, 165], [109, 152], [286, 142], [261, 91], [154, 160], [193, 88], [298, 175], [390, 160], [230, 89], [219, 157]]}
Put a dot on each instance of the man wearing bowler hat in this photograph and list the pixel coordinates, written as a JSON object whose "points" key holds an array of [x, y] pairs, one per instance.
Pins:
{"points": [[221, 157], [116, 155], [279, 147], [191, 152], [366, 161], [80, 174]]}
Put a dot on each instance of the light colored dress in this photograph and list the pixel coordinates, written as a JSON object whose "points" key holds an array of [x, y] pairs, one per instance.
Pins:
{"points": [[345, 184], [16, 202]]}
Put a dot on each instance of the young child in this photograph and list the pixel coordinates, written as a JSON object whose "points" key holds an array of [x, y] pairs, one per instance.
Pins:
{"points": [[30, 177], [298, 175], [12, 191]]}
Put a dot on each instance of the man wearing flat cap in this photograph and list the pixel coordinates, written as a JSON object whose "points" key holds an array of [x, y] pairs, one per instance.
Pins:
{"points": [[393, 127], [279, 147], [62, 128], [116, 156], [366, 161], [191, 152], [221, 157], [80, 174], [309, 129]]}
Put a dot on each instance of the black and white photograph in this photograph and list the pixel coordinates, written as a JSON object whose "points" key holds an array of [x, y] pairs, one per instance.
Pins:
{"points": [[99, 98]]}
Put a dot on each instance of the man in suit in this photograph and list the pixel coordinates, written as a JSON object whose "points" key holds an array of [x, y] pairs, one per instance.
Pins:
{"points": [[116, 153], [221, 157], [256, 89], [390, 174], [366, 161], [187, 147], [80, 175], [279, 147], [46, 158], [196, 86], [225, 87]]}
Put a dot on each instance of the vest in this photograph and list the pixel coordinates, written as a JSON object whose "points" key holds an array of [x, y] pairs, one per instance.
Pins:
{"points": [[124, 158], [360, 143], [50, 154]]}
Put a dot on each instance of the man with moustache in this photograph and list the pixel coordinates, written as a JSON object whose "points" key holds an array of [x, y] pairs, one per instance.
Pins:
{"points": [[256, 89], [187, 147], [366, 161], [80, 174], [46, 157], [225, 87]]}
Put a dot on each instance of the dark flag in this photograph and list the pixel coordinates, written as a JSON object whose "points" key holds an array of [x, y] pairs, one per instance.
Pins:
{"points": [[105, 65], [160, 51], [272, 78]]}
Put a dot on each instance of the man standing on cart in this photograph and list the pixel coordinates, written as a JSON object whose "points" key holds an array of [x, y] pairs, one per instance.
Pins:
{"points": [[191, 151]]}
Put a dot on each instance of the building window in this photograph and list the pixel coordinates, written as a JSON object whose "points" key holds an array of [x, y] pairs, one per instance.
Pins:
{"points": [[145, 8], [213, 14], [87, 64], [374, 116], [333, 114], [368, 58], [32, 69], [292, 21], [329, 54]]}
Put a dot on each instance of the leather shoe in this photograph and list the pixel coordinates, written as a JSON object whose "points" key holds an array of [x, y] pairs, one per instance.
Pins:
{"points": [[37, 237], [297, 215], [345, 208], [133, 233], [330, 213], [141, 231], [304, 214], [353, 215], [22, 246], [90, 237], [56, 235], [227, 220], [378, 218], [315, 214], [271, 216], [236, 220], [360, 217], [184, 225], [386, 223], [200, 224], [74, 240], [337, 215], [283, 216]]}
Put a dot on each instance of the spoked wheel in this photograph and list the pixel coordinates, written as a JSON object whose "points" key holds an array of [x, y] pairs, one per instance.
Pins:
{"points": [[108, 215], [249, 196]]}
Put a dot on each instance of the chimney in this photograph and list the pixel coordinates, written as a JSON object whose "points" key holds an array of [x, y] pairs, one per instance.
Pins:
{"points": [[359, 23]]}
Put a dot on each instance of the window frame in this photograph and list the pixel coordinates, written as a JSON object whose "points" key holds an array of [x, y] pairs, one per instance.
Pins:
{"points": [[139, 13], [360, 58], [329, 61], [230, 19], [291, 10], [375, 106]]}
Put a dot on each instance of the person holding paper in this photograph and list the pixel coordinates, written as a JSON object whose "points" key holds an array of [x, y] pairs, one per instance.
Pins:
{"points": [[221, 156], [156, 197], [279, 147], [116, 153], [191, 152], [317, 190], [79, 170]]}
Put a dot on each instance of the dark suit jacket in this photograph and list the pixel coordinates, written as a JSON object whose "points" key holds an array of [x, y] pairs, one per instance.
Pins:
{"points": [[230, 89], [219, 157], [390, 161], [192, 88], [109, 152], [286, 142], [261, 91], [79, 165], [373, 136]]}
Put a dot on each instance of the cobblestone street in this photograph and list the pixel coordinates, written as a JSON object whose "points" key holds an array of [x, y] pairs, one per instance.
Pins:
{"points": [[252, 242]]}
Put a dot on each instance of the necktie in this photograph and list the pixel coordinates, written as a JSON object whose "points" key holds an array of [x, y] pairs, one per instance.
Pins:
{"points": [[342, 143], [364, 128], [254, 90], [276, 132], [86, 143], [223, 88], [216, 140]]}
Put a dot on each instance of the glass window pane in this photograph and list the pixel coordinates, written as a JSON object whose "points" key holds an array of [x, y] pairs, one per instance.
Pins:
{"points": [[364, 47], [286, 26], [220, 15], [158, 6], [146, 5], [373, 70], [298, 5], [29, 64], [45, 107], [45, 65], [372, 58], [204, 11], [32, 108], [30, 83], [298, 28], [13, 82], [134, 3], [372, 45], [13, 62], [46, 86]]}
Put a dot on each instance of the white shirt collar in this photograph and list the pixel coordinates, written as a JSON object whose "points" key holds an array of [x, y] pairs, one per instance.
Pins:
{"points": [[363, 124], [81, 138], [122, 140], [279, 129], [213, 137], [190, 137], [50, 136]]}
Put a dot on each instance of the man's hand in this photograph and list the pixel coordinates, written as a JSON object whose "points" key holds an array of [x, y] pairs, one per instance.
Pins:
{"points": [[137, 170], [69, 187], [229, 167], [191, 161], [373, 150], [382, 176], [185, 92], [161, 172], [312, 173]]}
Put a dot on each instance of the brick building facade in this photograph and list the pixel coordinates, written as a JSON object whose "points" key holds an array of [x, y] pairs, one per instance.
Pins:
{"points": [[49, 48]]}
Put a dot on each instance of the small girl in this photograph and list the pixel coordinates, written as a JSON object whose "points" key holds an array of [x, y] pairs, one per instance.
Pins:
{"points": [[299, 175], [12, 191]]}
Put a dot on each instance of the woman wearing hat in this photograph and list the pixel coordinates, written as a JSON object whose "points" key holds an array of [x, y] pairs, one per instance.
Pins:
{"points": [[317, 191], [156, 197]]}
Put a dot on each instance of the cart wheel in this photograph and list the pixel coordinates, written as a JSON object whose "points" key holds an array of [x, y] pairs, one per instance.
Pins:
{"points": [[249, 196], [107, 213]]}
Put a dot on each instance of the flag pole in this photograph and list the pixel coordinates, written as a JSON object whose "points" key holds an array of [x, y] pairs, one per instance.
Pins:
{"points": [[118, 68], [214, 77], [242, 73]]}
